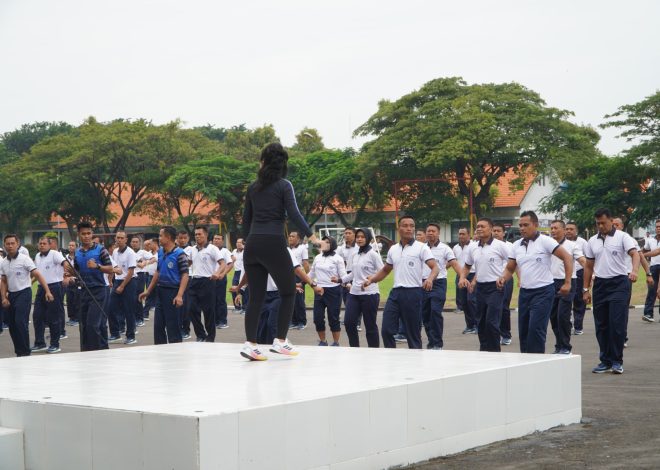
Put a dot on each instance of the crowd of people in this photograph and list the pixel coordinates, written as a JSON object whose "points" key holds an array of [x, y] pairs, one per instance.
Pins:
{"points": [[110, 292]]}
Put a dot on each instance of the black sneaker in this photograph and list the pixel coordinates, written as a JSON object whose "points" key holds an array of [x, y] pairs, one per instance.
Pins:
{"points": [[601, 368], [130, 341], [617, 368], [114, 339], [578, 332], [646, 318], [185, 335], [53, 349], [400, 339], [38, 348]]}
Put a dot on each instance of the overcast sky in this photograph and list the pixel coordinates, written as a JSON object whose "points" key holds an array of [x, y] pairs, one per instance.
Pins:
{"points": [[323, 64]]}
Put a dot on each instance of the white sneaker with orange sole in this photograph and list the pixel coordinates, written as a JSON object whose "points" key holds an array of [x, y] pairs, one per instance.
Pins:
{"points": [[285, 348], [251, 351]]}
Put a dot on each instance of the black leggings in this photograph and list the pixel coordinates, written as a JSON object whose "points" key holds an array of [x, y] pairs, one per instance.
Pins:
{"points": [[264, 255]]}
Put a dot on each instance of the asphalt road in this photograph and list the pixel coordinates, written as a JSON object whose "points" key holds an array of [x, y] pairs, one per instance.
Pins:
{"points": [[621, 424]]}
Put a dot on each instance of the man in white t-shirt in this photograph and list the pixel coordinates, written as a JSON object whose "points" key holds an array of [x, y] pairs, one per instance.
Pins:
{"points": [[16, 271], [300, 253], [221, 283], [141, 256], [652, 245], [406, 259], [499, 232], [434, 300], [207, 267], [531, 255], [560, 315], [124, 294], [579, 307], [237, 258], [606, 254], [488, 257], [465, 300], [50, 264]]}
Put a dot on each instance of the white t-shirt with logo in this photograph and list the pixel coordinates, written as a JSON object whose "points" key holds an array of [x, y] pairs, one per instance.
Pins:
{"points": [[533, 259], [125, 260], [649, 245], [443, 255], [488, 259], [50, 266], [205, 260], [17, 271], [407, 261], [609, 253]]}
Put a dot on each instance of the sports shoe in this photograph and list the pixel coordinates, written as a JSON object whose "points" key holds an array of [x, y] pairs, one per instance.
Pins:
{"points": [[400, 339], [222, 326], [322, 343], [647, 318], [617, 368], [335, 344], [140, 323], [601, 368], [39, 348], [53, 349], [625, 344], [185, 335], [251, 352], [130, 341], [114, 339], [564, 351], [578, 332], [64, 336], [292, 326], [359, 327], [200, 340], [285, 348], [469, 331], [301, 326], [505, 341]]}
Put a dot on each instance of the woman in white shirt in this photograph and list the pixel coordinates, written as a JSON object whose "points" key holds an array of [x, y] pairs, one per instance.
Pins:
{"points": [[363, 301], [328, 268]]}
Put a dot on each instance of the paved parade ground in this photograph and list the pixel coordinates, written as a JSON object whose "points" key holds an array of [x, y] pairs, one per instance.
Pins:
{"points": [[619, 428]]}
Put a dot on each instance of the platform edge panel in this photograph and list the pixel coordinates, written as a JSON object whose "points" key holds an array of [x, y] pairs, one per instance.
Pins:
{"points": [[397, 425], [58, 436], [11, 449]]}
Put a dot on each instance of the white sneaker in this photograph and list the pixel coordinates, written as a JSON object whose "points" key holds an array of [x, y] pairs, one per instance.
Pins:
{"points": [[251, 352], [284, 348]]}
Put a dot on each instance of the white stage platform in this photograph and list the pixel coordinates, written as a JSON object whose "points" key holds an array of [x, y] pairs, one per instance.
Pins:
{"points": [[201, 406]]}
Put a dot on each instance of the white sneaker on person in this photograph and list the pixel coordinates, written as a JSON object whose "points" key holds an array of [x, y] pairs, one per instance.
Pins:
{"points": [[285, 348], [251, 351]]}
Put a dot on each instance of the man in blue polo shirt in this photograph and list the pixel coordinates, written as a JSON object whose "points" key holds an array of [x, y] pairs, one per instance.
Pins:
{"points": [[92, 261], [169, 281], [404, 303]]}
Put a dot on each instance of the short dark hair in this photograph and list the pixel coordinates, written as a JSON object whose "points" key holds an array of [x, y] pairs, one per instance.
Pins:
{"points": [[84, 224], [350, 229], [433, 224], [532, 216], [133, 237], [488, 220], [603, 211], [404, 217], [169, 231], [10, 235], [560, 222], [500, 225], [182, 232], [203, 228], [570, 222], [296, 232], [464, 228], [657, 221]]}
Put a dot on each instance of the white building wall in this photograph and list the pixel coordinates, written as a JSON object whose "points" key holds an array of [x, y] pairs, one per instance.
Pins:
{"points": [[541, 188]]}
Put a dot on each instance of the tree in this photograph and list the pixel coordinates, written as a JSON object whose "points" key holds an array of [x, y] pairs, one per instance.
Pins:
{"points": [[21, 140], [641, 123], [118, 162], [308, 140], [471, 135], [619, 183], [216, 183]]}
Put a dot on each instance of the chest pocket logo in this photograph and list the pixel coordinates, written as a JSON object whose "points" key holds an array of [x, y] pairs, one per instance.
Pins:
{"points": [[615, 253], [170, 264], [491, 260], [538, 260]]}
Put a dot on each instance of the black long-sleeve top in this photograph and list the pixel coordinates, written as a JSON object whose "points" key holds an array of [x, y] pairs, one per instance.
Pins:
{"points": [[266, 210]]}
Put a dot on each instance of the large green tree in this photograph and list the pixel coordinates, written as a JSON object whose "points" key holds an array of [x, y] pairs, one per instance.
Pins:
{"points": [[104, 163], [618, 183], [470, 136]]}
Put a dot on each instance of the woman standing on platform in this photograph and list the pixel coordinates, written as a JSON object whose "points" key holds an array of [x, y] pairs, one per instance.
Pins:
{"points": [[327, 271], [363, 302], [269, 200]]}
